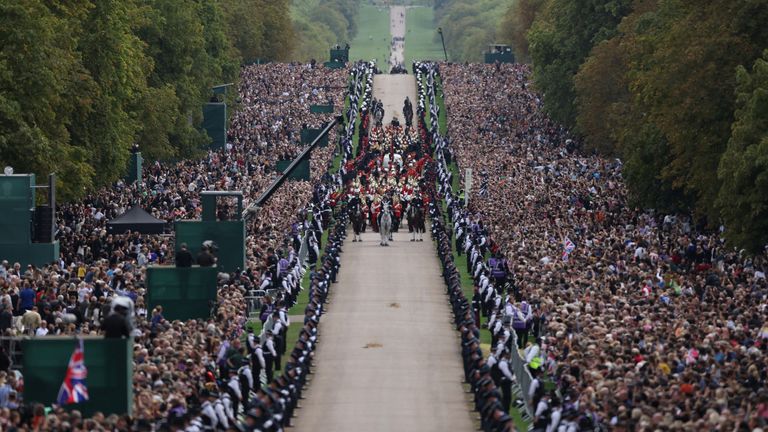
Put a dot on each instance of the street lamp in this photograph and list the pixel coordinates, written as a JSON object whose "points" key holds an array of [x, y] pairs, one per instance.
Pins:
{"points": [[442, 39]]}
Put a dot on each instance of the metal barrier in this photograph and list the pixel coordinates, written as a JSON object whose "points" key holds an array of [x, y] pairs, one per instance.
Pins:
{"points": [[524, 378], [304, 249]]}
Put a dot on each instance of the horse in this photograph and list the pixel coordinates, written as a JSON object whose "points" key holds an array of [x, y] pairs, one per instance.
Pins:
{"points": [[415, 216], [385, 224], [358, 221]]}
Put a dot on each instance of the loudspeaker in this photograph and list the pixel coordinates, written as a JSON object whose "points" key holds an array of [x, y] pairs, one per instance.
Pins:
{"points": [[44, 223]]}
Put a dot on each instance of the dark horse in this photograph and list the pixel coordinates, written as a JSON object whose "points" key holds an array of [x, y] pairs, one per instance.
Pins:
{"points": [[415, 214], [358, 220]]}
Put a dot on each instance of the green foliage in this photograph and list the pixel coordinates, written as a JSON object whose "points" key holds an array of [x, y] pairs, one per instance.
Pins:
{"points": [[320, 24], [43, 86], [114, 58], [743, 170], [514, 27], [656, 84], [560, 38], [684, 76], [468, 27], [81, 81]]}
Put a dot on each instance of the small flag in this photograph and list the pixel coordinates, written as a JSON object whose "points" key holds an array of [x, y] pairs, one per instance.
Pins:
{"points": [[568, 247], [73, 389]]}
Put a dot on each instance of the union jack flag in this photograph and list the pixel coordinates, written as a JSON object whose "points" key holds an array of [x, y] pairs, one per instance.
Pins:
{"points": [[73, 389], [568, 247]]}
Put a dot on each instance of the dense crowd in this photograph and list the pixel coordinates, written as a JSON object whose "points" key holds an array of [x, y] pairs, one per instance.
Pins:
{"points": [[643, 320], [182, 369]]}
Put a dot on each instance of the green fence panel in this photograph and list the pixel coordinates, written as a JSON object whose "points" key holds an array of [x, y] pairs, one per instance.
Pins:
{"points": [[309, 135], [110, 372], [334, 65], [229, 236], [321, 109], [339, 55], [184, 292], [17, 199], [215, 124], [301, 172], [503, 57], [37, 254], [134, 168]]}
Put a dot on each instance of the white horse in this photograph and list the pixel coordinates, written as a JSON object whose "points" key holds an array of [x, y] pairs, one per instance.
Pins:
{"points": [[385, 224]]}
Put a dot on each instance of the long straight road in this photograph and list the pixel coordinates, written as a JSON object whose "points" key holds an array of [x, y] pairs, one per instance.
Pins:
{"points": [[397, 30], [388, 357]]}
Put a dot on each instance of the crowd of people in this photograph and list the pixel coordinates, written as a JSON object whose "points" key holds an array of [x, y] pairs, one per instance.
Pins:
{"points": [[183, 371], [642, 320]]}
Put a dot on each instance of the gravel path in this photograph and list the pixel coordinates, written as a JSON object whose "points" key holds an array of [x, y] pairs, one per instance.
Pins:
{"points": [[392, 91], [388, 358]]}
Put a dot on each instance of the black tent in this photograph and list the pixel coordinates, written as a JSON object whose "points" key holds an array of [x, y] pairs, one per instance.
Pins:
{"points": [[136, 220]]}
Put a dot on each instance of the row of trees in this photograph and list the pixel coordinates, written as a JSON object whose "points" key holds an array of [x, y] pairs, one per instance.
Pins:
{"points": [[677, 89], [468, 27], [81, 81], [320, 24]]}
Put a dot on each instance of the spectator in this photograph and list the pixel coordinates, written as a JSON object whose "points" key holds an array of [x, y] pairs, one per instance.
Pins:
{"points": [[205, 258], [183, 257]]}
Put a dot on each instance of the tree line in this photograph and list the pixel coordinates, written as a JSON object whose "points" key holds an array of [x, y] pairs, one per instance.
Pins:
{"points": [[468, 27], [321, 24], [678, 90], [82, 81]]}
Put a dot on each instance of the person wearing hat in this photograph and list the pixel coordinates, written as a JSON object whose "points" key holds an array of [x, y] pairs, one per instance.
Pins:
{"points": [[270, 354], [208, 409], [234, 392], [245, 378], [205, 258], [256, 354]]}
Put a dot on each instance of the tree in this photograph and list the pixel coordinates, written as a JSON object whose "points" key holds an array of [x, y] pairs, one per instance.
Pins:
{"points": [[743, 169], [42, 86], [682, 72], [115, 59], [516, 23], [279, 38], [560, 39]]}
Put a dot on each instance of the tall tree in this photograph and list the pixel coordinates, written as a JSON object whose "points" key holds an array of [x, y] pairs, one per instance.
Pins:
{"points": [[115, 59], [743, 170], [42, 85], [517, 22], [560, 39], [682, 72], [245, 28]]}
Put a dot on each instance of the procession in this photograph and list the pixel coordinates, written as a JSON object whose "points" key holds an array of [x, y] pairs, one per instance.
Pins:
{"points": [[219, 217]]}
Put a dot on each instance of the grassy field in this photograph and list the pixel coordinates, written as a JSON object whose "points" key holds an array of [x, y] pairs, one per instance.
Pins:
{"points": [[372, 40], [420, 41]]}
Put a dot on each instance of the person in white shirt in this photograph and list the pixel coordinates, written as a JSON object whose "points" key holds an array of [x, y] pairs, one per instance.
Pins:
{"points": [[532, 351], [42, 330]]}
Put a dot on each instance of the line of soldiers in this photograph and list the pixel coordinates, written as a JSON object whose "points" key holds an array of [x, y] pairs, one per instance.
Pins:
{"points": [[488, 400], [270, 408], [238, 400], [273, 407]]}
